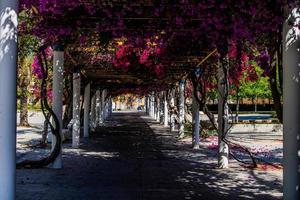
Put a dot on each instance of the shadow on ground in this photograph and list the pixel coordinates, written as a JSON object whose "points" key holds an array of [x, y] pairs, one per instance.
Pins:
{"points": [[135, 158]]}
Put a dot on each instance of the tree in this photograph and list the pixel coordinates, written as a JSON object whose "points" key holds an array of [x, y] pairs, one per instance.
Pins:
{"points": [[24, 77], [259, 88], [27, 44]]}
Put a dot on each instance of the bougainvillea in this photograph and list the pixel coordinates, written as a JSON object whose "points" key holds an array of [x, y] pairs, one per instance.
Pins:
{"points": [[177, 30], [264, 61], [36, 67], [153, 36], [38, 75]]}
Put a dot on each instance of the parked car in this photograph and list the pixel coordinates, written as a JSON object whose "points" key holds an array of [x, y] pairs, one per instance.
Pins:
{"points": [[140, 108]]}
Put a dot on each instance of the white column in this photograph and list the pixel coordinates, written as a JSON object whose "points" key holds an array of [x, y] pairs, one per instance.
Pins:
{"points": [[101, 108], [8, 76], [76, 111], [93, 111], [166, 111], [109, 106], [98, 107], [158, 108], [291, 106], [102, 113], [196, 123], [152, 105], [172, 114], [57, 91], [181, 108], [105, 110], [146, 104], [152, 109], [86, 121], [161, 107], [223, 151], [155, 107]]}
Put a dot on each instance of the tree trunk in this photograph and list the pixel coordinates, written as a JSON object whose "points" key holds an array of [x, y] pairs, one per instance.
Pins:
{"points": [[237, 105], [275, 94], [255, 104], [276, 78], [45, 131], [24, 80], [24, 106]]}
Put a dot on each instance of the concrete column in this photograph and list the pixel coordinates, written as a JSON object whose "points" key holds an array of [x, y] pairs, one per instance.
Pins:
{"points": [[291, 106], [8, 77], [158, 108], [146, 104], [155, 108], [76, 111], [105, 110], [102, 112], [152, 109], [181, 108], [57, 92], [223, 151], [110, 106], [86, 121], [172, 114], [196, 123], [161, 107], [93, 111], [149, 104], [166, 110], [98, 107], [152, 105], [101, 108]]}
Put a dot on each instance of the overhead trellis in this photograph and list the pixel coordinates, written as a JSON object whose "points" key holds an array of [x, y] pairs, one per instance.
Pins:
{"points": [[160, 41], [145, 46]]}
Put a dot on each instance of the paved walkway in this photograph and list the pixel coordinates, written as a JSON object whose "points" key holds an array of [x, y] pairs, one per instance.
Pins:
{"points": [[135, 158]]}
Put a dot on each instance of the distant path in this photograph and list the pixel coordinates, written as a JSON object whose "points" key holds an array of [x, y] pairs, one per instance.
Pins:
{"points": [[135, 158]]}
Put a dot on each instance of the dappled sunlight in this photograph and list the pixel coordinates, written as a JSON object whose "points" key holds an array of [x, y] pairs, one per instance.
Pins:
{"points": [[141, 157], [293, 34], [8, 30]]}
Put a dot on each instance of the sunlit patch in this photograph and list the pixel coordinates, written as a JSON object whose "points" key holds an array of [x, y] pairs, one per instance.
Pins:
{"points": [[293, 33], [102, 154], [8, 30]]}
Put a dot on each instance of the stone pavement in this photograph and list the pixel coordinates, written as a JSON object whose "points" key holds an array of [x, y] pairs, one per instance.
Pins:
{"points": [[133, 157]]}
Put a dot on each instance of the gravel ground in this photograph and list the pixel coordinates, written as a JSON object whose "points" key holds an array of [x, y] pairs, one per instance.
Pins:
{"points": [[133, 157]]}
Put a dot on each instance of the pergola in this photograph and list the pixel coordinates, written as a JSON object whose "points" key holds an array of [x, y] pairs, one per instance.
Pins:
{"points": [[101, 79]]}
